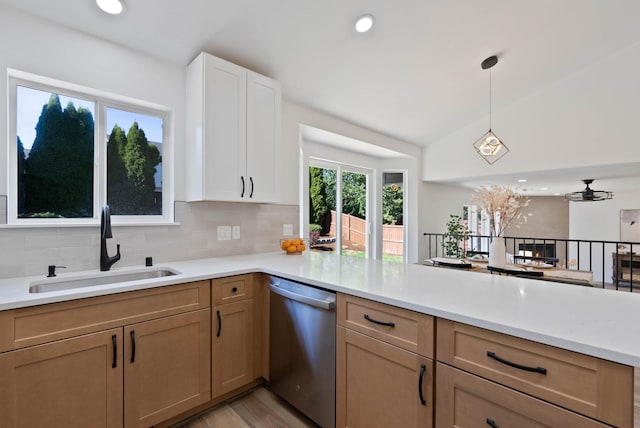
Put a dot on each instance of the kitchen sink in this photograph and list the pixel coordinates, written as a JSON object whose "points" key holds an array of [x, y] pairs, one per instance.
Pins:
{"points": [[49, 285]]}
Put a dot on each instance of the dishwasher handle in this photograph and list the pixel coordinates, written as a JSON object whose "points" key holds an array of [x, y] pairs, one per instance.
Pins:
{"points": [[322, 304]]}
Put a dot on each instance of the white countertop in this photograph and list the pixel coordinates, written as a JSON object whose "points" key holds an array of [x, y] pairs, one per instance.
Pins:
{"points": [[592, 321]]}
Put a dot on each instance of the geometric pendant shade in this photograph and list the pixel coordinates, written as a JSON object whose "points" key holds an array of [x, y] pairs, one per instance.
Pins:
{"points": [[490, 147]]}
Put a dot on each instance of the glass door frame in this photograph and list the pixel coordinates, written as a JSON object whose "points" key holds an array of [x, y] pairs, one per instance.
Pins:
{"points": [[340, 168]]}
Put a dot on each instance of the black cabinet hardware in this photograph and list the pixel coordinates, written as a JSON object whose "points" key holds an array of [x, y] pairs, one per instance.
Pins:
{"points": [[114, 340], [251, 180], [219, 324], [540, 370], [423, 368], [133, 346], [491, 423], [242, 178], [234, 289], [386, 324]]}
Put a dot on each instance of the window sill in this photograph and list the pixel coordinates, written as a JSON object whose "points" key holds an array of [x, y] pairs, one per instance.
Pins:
{"points": [[78, 225]]}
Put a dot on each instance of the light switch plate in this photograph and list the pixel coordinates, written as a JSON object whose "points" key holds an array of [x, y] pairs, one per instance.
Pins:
{"points": [[235, 232], [224, 233], [287, 229]]}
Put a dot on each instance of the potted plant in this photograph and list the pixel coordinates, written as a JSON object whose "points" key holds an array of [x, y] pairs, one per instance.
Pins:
{"points": [[457, 234], [314, 233]]}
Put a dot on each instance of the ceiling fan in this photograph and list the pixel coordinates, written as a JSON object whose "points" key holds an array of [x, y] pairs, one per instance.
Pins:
{"points": [[588, 194]]}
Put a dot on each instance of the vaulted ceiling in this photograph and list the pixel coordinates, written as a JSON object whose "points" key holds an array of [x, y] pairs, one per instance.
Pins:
{"points": [[416, 76]]}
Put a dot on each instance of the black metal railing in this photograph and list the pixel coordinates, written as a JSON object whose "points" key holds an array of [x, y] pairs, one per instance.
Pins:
{"points": [[612, 263]]}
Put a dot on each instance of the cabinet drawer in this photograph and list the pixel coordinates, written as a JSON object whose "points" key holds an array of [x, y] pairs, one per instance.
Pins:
{"points": [[40, 324], [596, 388], [232, 289], [466, 401], [406, 329]]}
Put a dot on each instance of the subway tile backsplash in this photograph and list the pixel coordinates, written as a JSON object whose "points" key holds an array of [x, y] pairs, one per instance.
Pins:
{"points": [[26, 252]]}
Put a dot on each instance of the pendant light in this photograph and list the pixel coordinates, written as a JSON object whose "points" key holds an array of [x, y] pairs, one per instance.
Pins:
{"points": [[489, 146]]}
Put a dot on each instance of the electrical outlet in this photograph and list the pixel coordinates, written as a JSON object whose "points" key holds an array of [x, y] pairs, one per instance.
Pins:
{"points": [[287, 229], [224, 233], [235, 232]]}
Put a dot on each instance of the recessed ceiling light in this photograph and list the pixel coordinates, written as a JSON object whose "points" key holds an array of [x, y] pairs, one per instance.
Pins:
{"points": [[522, 180], [113, 7], [364, 23], [557, 194], [544, 188]]}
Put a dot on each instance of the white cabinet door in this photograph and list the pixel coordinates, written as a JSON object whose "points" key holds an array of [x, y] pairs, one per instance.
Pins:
{"points": [[263, 137], [216, 129], [225, 95]]}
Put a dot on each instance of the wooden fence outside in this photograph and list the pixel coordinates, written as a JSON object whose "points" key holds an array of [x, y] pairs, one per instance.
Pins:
{"points": [[354, 230]]}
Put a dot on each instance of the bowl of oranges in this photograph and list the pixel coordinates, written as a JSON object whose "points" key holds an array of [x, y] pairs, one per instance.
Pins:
{"points": [[293, 246]]}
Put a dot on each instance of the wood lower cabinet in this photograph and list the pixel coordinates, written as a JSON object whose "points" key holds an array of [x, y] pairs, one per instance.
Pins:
{"points": [[468, 401], [167, 367], [131, 359], [384, 373], [233, 334], [587, 385], [74, 382], [381, 385]]}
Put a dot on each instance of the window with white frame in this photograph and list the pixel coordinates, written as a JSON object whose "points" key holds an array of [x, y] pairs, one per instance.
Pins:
{"points": [[73, 149]]}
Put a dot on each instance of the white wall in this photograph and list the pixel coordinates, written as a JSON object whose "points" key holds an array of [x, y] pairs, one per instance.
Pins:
{"points": [[601, 220], [588, 118], [437, 203]]}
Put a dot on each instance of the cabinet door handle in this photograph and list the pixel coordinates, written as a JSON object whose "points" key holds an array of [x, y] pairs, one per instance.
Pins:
{"points": [[114, 340], [234, 289], [540, 370], [251, 181], [423, 368], [242, 178], [133, 346], [219, 324], [384, 323], [491, 423]]}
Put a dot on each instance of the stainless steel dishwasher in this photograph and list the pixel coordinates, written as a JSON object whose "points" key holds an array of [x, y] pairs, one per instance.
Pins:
{"points": [[302, 348]]}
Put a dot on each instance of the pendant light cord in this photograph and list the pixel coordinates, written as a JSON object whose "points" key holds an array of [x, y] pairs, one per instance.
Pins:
{"points": [[489, 99]]}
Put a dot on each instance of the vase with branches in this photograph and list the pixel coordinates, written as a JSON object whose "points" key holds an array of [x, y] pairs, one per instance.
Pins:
{"points": [[505, 208]]}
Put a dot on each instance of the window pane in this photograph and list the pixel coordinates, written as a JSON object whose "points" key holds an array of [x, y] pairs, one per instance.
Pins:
{"points": [[134, 163], [55, 155], [354, 214], [322, 212], [392, 216]]}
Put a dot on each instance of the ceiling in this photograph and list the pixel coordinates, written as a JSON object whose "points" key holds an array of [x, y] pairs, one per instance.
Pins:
{"points": [[416, 76]]}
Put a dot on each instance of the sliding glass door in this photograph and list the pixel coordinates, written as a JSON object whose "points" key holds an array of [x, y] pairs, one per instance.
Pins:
{"points": [[338, 207]]}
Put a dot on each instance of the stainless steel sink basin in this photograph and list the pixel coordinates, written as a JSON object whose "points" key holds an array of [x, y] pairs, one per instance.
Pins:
{"points": [[47, 286]]}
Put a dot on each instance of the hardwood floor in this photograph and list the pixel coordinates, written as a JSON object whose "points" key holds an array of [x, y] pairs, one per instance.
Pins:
{"points": [[259, 408]]}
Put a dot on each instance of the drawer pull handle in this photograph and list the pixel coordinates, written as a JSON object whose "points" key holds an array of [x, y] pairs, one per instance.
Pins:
{"points": [[251, 180], [234, 289], [491, 423], [540, 370], [423, 368], [133, 346], [219, 324], [242, 178], [386, 324], [114, 340]]}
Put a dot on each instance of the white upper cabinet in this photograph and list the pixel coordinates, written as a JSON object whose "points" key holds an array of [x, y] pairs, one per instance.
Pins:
{"points": [[233, 133]]}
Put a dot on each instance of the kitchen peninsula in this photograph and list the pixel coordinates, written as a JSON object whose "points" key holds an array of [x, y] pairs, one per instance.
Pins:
{"points": [[573, 318]]}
